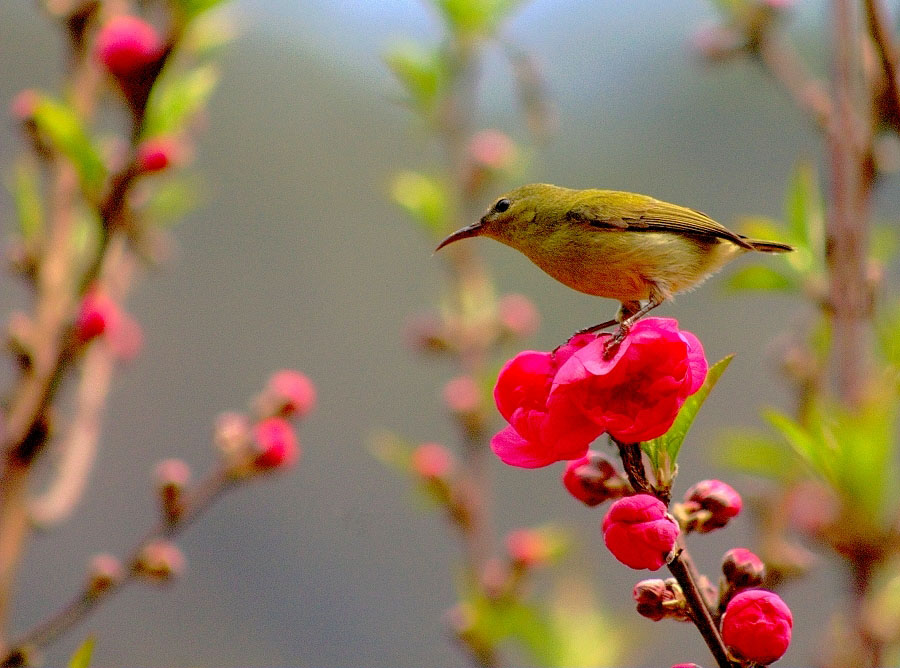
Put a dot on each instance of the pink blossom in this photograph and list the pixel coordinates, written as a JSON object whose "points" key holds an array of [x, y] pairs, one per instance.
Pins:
{"points": [[639, 532], [757, 626]]}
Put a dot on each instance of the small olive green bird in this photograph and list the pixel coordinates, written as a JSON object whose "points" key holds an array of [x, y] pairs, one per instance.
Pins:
{"points": [[613, 244]]}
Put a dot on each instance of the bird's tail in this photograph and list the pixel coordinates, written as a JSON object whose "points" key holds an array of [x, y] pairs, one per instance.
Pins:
{"points": [[769, 246]]}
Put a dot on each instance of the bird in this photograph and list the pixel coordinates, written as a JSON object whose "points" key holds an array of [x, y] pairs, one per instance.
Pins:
{"points": [[621, 245]]}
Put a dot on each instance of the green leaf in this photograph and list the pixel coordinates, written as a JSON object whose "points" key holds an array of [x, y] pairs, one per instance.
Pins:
{"points": [[813, 448], [175, 101], [804, 212], [759, 277], [423, 198], [26, 191], [192, 8], [475, 16], [883, 243], [756, 454], [887, 330], [171, 201], [663, 451], [61, 125], [420, 70], [82, 656]]}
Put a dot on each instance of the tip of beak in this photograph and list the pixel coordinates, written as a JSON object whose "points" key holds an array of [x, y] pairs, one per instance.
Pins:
{"points": [[464, 233]]}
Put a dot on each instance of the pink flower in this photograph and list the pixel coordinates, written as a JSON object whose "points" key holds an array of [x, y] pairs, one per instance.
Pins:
{"points": [[530, 440], [593, 479], [638, 531], [431, 460], [97, 314], [757, 626], [292, 391], [636, 394], [742, 568], [127, 44], [710, 504], [276, 444], [518, 315], [461, 395], [492, 148]]}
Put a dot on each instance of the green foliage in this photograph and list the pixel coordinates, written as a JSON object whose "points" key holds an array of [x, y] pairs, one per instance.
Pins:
{"points": [[174, 101], [26, 191], [171, 201], [61, 126], [850, 449], [475, 17], [759, 278], [758, 454], [663, 451], [423, 198], [193, 8], [420, 70], [887, 332], [82, 656]]}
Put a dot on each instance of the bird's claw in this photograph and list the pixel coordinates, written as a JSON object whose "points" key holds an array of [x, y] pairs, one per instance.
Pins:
{"points": [[610, 347]]}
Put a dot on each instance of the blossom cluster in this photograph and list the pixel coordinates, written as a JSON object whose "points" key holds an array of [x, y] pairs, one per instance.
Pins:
{"points": [[558, 402]]}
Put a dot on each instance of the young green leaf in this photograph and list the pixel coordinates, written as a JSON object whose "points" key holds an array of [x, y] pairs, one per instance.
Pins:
{"points": [[419, 69], [82, 656], [423, 198], [759, 278], [26, 192], [175, 101]]}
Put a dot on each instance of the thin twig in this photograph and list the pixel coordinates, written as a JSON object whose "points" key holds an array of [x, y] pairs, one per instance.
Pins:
{"points": [[888, 55]]}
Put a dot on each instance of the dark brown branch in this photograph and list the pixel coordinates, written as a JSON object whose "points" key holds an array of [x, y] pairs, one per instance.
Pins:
{"points": [[888, 56]]}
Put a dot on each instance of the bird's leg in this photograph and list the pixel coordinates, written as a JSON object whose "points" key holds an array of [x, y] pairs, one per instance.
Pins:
{"points": [[596, 328], [629, 314]]}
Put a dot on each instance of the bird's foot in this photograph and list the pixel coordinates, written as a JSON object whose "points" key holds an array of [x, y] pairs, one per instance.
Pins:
{"points": [[610, 347]]}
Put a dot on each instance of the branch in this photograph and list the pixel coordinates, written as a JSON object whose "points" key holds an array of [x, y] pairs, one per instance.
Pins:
{"points": [[888, 55]]}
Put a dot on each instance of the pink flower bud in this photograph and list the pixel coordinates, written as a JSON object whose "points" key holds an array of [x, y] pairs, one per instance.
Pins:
{"points": [[710, 504], [528, 547], [160, 560], [292, 392], [492, 148], [593, 479], [757, 626], [104, 571], [276, 444], [518, 315], [24, 104], [742, 568], [157, 153], [127, 44], [462, 396], [426, 333], [172, 477], [639, 532], [431, 460], [659, 599], [97, 314], [232, 433]]}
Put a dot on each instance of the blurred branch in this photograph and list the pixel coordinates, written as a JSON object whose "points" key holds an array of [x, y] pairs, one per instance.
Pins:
{"points": [[786, 66], [888, 55]]}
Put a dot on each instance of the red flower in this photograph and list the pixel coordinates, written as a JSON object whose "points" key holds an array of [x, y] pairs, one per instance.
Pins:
{"points": [[127, 44], [636, 394], [638, 531], [276, 444], [593, 479], [757, 626], [530, 441]]}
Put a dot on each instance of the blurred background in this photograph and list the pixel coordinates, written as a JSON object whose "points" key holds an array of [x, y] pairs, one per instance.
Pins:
{"points": [[296, 258]]}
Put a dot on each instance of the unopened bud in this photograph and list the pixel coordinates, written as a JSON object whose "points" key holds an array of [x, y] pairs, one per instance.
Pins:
{"points": [[24, 104], [658, 599], [742, 568], [288, 394], [709, 505], [126, 45], [172, 478], [275, 444], [518, 315], [232, 433], [105, 571], [593, 479], [160, 561], [462, 396], [157, 153], [431, 461], [426, 333], [529, 547]]}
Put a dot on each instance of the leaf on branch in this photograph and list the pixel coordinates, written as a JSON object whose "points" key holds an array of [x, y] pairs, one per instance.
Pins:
{"points": [[420, 70], [804, 212], [175, 101], [61, 125], [423, 198], [475, 16], [26, 191], [757, 454], [82, 656], [759, 278], [192, 8]]}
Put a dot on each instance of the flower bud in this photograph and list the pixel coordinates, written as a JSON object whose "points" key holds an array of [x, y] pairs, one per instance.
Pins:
{"points": [[462, 396], [24, 104], [104, 571], [757, 626], [742, 568], [97, 314], [529, 547], [288, 393], [126, 44], [518, 315], [275, 444], [639, 532], [156, 154], [426, 333], [431, 460], [657, 599], [160, 561], [593, 479], [232, 433], [709, 505], [492, 149], [172, 478]]}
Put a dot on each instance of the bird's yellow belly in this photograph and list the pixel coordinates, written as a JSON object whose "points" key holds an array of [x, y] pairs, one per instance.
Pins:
{"points": [[629, 266]]}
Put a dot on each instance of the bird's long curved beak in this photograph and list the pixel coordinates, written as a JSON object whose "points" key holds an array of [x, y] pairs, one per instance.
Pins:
{"points": [[472, 230]]}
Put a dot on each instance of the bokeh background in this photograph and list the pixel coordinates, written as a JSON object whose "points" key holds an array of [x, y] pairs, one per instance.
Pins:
{"points": [[296, 258]]}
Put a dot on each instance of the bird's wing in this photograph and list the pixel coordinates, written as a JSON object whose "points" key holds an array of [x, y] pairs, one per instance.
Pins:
{"points": [[629, 211]]}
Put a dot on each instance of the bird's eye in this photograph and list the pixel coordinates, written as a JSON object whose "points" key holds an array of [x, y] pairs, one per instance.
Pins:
{"points": [[502, 205]]}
